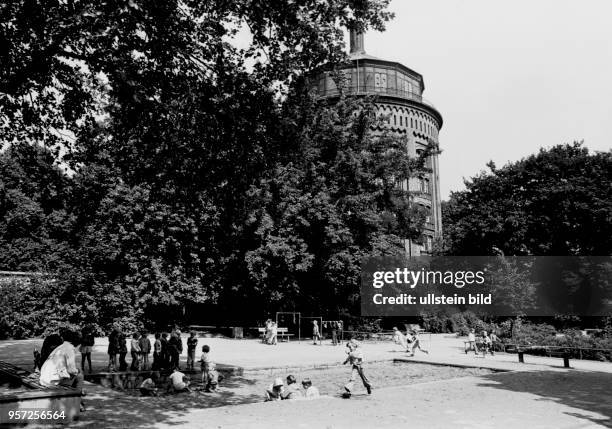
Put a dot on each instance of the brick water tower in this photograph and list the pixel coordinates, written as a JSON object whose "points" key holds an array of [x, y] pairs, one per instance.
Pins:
{"points": [[399, 96]]}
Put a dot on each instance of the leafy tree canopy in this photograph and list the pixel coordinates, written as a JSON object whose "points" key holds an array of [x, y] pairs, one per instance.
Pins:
{"points": [[557, 202]]}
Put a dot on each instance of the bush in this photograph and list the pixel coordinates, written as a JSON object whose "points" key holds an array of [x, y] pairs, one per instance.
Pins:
{"points": [[436, 323], [581, 346], [458, 323], [43, 306], [536, 334]]}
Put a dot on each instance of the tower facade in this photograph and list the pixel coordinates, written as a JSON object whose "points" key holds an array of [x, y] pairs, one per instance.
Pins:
{"points": [[399, 97]]}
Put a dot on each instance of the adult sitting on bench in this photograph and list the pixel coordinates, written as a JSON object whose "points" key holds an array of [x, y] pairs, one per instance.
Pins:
{"points": [[60, 367], [50, 343]]}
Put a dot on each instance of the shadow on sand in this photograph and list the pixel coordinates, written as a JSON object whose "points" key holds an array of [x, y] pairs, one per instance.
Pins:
{"points": [[589, 392], [107, 408]]}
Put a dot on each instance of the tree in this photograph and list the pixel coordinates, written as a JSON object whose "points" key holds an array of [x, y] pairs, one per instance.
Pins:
{"points": [[557, 202], [314, 220], [170, 132], [35, 222]]}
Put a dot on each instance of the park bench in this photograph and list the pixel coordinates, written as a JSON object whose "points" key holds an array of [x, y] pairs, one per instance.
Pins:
{"points": [[551, 351], [235, 331], [201, 328], [281, 333], [21, 389]]}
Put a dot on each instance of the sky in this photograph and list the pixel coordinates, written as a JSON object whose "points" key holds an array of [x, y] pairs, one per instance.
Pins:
{"points": [[509, 77]]}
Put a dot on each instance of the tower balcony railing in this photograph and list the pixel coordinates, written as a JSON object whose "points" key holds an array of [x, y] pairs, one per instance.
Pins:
{"points": [[375, 90]]}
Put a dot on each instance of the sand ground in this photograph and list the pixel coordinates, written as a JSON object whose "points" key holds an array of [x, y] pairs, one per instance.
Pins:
{"points": [[538, 394]]}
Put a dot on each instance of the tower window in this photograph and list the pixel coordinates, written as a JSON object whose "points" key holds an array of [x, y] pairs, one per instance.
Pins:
{"points": [[380, 81]]}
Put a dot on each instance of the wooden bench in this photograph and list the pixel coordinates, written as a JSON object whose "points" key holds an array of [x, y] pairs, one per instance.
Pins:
{"points": [[25, 391], [235, 331], [550, 351], [201, 328], [562, 354]]}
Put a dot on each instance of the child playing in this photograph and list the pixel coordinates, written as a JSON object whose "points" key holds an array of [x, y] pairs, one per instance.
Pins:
{"points": [[204, 363], [292, 391], [268, 332], [416, 344], [275, 391], [87, 343], [165, 351], [135, 351], [487, 344], [213, 378], [149, 386], [273, 334], [145, 349], [316, 334], [192, 343], [178, 382], [157, 346], [355, 358], [494, 339], [310, 392], [400, 339], [471, 342]]}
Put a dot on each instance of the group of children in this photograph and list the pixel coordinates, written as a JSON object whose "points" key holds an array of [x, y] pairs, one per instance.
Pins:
{"points": [[278, 391], [409, 342], [178, 382], [335, 327], [486, 343], [271, 333], [166, 348], [140, 348]]}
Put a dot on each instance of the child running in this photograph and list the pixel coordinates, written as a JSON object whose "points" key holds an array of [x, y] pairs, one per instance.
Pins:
{"points": [[355, 358], [400, 339], [416, 344]]}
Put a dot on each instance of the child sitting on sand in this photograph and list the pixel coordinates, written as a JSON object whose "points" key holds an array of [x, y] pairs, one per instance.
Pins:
{"points": [[275, 391], [310, 392], [149, 386], [178, 382]]}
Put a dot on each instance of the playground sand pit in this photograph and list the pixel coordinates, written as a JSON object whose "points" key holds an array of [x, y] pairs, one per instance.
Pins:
{"points": [[249, 387], [112, 408]]}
